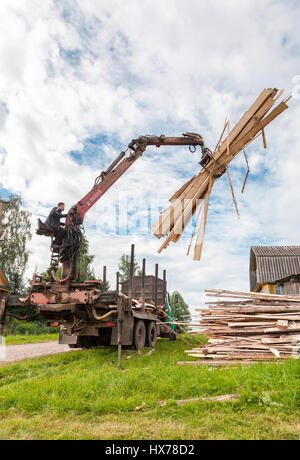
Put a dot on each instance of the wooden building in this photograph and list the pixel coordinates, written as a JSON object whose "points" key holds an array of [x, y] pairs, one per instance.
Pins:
{"points": [[4, 284], [275, 269]]}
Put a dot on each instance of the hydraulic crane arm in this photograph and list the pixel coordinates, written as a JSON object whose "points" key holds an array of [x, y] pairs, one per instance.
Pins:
{"points": [[69, 253], [122, 163]]}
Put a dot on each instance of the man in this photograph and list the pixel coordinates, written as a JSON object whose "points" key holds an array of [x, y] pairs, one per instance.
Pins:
{"points": [[53, 221]]}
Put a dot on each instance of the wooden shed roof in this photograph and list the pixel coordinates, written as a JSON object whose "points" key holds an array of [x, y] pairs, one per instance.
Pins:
{"points": [[4, 284], [269, 264]]}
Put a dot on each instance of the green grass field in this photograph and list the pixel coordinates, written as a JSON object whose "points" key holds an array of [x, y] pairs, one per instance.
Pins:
{"points": [[23, 339], [82, 395]]}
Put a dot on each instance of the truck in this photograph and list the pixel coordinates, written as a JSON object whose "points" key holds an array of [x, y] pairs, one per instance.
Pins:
{"points": [[89, 314], [133, 315]]}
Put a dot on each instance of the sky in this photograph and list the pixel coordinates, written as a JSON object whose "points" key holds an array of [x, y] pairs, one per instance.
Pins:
{"points": [[80, 78]]}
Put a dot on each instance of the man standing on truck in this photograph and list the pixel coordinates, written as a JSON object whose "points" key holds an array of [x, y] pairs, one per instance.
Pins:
{"points": [[53, 221]]}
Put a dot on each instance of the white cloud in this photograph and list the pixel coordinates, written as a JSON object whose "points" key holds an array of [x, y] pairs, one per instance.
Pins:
{"points": [[76, 69]]}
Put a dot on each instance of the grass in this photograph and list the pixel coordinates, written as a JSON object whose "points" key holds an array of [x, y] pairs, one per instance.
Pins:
{"points": [[23, 339], [82, 395]]}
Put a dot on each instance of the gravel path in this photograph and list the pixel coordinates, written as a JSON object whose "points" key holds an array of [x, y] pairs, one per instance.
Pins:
{"points": [[13, 353]]}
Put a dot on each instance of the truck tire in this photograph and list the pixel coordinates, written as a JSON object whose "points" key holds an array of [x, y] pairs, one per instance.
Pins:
{"points": [[139, 335], [151, 334]]}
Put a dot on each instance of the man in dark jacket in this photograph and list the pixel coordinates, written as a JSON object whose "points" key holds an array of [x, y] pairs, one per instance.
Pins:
{"points": [[53, 221]]}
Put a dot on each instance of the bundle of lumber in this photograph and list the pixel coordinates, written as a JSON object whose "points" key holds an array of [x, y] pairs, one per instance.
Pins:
{"points": [[138, 304], [249, 326], [196, 192]]}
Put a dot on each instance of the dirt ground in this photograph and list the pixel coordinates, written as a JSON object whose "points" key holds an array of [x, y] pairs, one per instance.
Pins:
{"points": [[13, 353]]}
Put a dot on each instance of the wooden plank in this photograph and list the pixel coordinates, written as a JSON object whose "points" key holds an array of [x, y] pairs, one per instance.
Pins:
{"points": [[186, 216], [181, 190], [166, 220], [275, 352], [175, 211], [253, 295], [194, 230], [232, 193], [201, 232], [248, 138], [212, 363], [256, 309], [249, 324], [282, 324], [226, 125], [264, 138], [259, 102], [223, 398], [288, 339], [260, 114], [283, 331], [255, 356]]}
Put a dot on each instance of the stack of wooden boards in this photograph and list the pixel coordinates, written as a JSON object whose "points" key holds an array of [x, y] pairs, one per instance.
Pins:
{"points": [[196, 192], [249, 326]]}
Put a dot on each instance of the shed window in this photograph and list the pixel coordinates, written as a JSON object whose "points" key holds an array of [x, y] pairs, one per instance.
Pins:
{"points": [[278, 289]]}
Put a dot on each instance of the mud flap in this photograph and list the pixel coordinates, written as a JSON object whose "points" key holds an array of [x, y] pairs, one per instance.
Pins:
{"points": [[65, 339], [127, 331]]}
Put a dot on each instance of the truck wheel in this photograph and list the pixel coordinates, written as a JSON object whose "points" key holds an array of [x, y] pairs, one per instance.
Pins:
{"points": [[151, 334], [139, 335]]}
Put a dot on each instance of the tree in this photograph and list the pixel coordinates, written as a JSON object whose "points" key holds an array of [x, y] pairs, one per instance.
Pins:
{"points": [[124, 268], [16, 233], [180, 309], [85, 261], [17, 284]]}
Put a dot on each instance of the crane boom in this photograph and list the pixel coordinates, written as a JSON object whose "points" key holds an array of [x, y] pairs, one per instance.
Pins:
{"points": [[68, 254], [107, 178]]}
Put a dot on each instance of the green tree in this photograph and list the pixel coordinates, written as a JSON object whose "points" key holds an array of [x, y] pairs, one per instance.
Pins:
{"points": [[124, 268], [86, 260], [17, 284], [180, 308], [15, 234]]}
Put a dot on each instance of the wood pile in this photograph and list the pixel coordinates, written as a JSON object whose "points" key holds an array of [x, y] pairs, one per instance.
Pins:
{"points": [[196, 192], [249, 326]]}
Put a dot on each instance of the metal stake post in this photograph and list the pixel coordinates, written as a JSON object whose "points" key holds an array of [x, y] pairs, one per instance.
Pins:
{"points": [[143, 283], [104, 279], [120, 318], [156, 285], [165, 287], [131, 278]]}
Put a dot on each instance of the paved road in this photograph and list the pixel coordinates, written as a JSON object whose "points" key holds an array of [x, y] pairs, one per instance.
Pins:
{"points": [[13, 353]]}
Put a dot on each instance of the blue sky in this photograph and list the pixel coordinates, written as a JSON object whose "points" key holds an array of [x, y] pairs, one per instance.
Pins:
{"points": [[80, 79]]}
